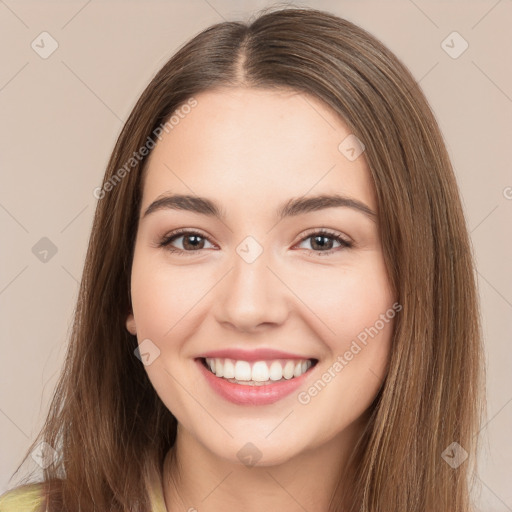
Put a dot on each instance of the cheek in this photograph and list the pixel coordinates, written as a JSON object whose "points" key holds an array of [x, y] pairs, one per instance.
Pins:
{"points": [[163, 302], [162, 297], [360, 319], [347, 300]]}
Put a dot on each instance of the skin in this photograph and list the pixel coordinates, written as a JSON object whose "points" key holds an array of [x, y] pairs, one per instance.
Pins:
{"points": [[252, 150]]}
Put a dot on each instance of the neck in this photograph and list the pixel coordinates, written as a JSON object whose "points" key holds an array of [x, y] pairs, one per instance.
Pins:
{"points": [[196, 479]]}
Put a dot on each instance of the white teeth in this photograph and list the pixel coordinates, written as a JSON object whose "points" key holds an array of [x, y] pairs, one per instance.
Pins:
{"points": [[242, 370], [276, 371], [229, 369], [288, 370], [258, 371], [219, 367]]}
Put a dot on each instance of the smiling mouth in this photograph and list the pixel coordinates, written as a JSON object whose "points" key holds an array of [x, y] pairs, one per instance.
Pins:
{"points": [[257, 373]]}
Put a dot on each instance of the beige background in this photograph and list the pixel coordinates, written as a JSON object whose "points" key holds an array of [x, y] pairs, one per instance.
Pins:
{"points": [[61, 116]]}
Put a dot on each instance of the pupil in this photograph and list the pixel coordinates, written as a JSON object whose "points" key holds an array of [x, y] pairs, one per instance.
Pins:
{"points": [[194, 244], [316, 238]]}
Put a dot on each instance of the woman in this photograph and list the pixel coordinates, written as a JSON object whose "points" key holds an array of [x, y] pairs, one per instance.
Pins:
{"points": [[218, 359]]}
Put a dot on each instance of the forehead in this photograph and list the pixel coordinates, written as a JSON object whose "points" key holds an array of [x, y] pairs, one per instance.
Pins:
{"points": [[257, 144]]}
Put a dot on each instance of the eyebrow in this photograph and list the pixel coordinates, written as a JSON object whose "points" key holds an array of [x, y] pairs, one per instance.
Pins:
{"points": [[293, 207]]}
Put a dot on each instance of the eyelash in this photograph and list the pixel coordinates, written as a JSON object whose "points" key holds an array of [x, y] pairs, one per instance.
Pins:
{"points": [[166, 241]]}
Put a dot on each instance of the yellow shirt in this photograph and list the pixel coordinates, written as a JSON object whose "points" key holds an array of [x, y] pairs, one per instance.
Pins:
{"points": [[28, 498]]}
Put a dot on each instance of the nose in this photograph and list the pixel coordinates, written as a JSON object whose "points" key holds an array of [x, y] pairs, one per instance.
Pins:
{"points": [[251, 296]]}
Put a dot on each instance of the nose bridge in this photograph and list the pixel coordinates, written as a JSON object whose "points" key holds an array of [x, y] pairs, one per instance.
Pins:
{"points": [[252, 294]]}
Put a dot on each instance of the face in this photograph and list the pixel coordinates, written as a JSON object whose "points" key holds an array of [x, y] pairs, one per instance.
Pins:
{"points": [[300, 304]]}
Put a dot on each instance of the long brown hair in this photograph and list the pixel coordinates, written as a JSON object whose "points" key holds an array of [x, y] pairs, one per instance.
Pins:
{"points": [[106, 420]]}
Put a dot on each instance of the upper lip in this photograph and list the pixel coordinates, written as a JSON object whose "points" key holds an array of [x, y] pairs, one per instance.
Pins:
{"points": [[259, 354]]}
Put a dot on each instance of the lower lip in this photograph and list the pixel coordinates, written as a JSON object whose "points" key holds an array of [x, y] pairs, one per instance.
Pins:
{"points": [[243, 394]]}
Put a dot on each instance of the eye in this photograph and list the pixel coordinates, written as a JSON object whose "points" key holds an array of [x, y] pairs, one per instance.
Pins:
{"points": [[319, 238], [193, 241]]}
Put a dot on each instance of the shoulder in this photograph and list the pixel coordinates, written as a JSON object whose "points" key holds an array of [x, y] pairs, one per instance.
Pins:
{"points": [[26, 498]]}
